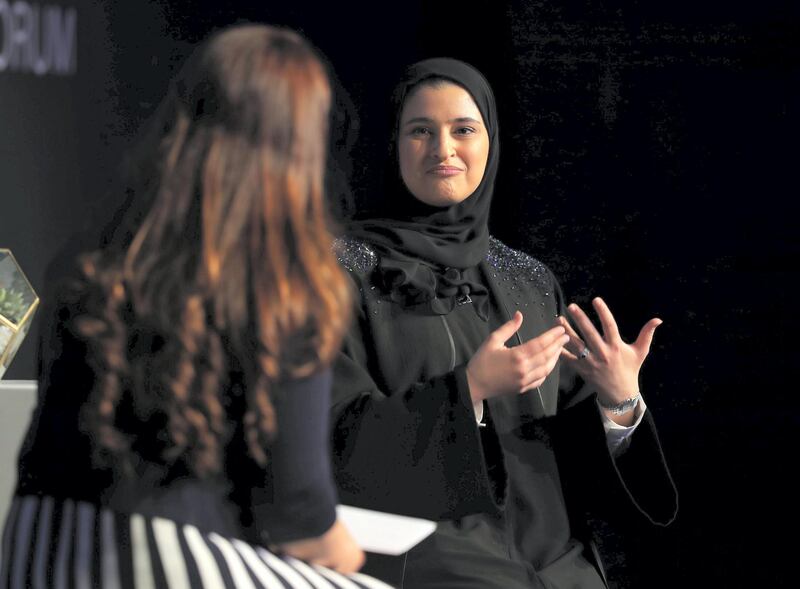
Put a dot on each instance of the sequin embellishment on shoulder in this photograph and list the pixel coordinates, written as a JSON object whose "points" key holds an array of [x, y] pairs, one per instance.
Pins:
{"points": [[355, 254], [518, 265]]}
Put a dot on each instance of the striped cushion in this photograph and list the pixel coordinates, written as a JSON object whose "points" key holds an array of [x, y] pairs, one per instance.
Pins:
{"points": [[65, 544]]}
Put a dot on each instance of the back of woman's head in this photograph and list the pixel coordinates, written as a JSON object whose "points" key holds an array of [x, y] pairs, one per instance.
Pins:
{"points": [[222, 261]]}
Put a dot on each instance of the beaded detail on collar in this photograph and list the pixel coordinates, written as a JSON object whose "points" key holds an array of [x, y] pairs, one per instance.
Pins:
{"points": [[355, 255], [517, 264], [358, 256]]}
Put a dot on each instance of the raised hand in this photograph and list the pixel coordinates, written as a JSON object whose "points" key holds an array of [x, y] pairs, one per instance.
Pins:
{"points": [[608, 363], [497, 370]]}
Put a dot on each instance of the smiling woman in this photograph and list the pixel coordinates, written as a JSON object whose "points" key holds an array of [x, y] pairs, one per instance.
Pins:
{"points": [[448, 405], [443, 145]]}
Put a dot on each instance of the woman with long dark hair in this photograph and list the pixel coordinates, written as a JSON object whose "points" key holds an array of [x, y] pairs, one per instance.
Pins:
{"points": [[182, 423], [448, 401]]}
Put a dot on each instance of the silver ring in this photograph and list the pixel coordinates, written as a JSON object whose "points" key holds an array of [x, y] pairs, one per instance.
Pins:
{"points": [[584, 353]]}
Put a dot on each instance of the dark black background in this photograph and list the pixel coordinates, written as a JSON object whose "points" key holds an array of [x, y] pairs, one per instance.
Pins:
{"points": [[649, 156]]}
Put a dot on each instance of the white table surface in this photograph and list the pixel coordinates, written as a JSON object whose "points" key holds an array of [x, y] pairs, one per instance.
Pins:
{"points": [[17, 400]]}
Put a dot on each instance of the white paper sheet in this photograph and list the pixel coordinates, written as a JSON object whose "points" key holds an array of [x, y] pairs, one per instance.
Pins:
{"points": [[384, 533]]}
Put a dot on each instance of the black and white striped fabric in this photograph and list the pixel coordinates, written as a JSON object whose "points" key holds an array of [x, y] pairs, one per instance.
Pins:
{"points": [[64, 544]]}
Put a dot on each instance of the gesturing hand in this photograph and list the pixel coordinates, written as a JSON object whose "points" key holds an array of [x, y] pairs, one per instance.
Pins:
{"points": [[607, 362], [497, 370]]}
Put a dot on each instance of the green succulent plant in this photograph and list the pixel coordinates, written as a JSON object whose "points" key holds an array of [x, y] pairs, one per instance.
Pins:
{"points": [[12, 304]]}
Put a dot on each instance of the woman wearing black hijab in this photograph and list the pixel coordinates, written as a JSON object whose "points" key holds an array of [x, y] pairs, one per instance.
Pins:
{"points": [[447, 402]]}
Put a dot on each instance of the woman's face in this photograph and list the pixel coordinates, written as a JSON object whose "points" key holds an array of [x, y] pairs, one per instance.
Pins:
{"points": [[443, 145]]}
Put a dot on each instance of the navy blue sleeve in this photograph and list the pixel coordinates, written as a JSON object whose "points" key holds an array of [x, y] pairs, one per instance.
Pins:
{"points": [[303, 504]]}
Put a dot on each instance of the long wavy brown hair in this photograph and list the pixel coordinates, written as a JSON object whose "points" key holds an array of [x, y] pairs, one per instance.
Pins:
{"points": [[220, 274]]}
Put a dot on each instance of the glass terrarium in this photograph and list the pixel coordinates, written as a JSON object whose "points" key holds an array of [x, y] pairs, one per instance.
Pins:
{"points": [[18, 303]]}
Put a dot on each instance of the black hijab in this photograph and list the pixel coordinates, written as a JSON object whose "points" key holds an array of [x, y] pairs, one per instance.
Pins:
{"points": [[429, 255]]}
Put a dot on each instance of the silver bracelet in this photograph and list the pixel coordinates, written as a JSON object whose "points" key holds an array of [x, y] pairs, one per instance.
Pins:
{"points": [[620, 408]]}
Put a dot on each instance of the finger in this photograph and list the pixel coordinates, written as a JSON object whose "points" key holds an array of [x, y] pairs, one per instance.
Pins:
{"points": [[565, 353], [540, 373], [575, 341], [503, 333], [542, 341], [527, 364], [542, 356], [610, 329], [645, 338], [583, 366], [551, 363], [542, 363], [590, 334]]}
